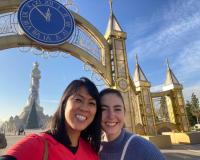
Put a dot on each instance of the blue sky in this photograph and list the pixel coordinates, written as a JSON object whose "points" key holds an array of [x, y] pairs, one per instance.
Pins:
{"points": [[156, 30]]}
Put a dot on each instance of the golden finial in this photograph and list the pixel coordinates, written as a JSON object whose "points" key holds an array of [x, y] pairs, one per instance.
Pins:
{"points": [[111, 7], [167, 63], [136, 58]]}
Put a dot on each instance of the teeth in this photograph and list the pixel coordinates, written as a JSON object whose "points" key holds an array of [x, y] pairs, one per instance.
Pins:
{"points": [[111, 124], [80, 117]]}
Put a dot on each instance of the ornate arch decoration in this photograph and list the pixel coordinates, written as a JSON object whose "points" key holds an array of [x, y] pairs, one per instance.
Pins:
{"points": [[95, 56]]}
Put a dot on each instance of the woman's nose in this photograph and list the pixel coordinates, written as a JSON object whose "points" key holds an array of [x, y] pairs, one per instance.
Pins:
{"points": [[85, 107], [111, 114]]}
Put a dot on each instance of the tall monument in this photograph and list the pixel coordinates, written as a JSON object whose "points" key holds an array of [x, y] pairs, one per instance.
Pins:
{"points": [[32, 114]]}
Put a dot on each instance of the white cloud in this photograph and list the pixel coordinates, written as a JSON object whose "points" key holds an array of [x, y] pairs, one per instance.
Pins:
{"points": [[178, 22], [181, 9], [189, 61], [187, 68]]}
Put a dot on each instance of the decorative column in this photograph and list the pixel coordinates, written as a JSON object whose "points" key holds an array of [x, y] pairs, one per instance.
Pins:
{"points": [[145, 108]]}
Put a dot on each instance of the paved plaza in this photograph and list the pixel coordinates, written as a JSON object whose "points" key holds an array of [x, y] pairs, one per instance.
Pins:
{"points": [[177, 152]]}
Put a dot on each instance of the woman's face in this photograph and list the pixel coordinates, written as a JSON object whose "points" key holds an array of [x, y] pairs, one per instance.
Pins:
{"points": [[112, 115], [80, 111]]}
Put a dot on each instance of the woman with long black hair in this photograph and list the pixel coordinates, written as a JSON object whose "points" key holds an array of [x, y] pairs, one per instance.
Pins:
{"points": [[75, 131]]}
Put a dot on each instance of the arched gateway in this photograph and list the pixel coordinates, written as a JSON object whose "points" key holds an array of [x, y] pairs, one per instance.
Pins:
{"points": [[106, 54]]}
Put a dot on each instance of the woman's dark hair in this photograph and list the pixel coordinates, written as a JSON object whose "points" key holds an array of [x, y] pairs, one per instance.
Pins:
{"points": [[92, 133], [112, 91]]}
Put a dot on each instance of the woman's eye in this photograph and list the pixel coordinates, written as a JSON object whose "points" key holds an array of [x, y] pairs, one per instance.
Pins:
{"points": [[118, 109], [103, 109], [78, 100], [92, 104]]}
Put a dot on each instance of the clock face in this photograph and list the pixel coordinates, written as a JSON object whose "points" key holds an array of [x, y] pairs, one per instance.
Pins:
{"points": [[123, 84], [46, 21], [182, 110]]}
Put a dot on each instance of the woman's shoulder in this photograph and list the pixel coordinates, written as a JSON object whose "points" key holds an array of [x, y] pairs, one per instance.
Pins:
{"points": [[31, 144], [29, 140], [137, 141], [144, 148]]}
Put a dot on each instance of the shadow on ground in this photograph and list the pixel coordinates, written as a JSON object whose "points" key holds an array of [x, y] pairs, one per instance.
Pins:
{"points": [[181, 156]]}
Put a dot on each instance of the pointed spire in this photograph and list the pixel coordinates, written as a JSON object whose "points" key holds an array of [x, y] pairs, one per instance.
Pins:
{"points": [[171, 81], [139, 76], [170, 77], [113, 24]]}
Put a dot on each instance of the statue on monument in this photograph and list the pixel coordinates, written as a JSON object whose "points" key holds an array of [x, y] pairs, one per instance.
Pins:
{"points": [[34, 90]]}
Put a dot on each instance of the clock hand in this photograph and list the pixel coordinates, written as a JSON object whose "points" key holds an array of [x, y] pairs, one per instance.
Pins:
{"points": [[48, 15], [41, 12]]}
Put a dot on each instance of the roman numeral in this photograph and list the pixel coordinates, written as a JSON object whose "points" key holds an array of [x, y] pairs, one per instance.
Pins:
{"points": [[36, 33], [24, 14], [25, 23], [67, 24], [49, 2], [58, 37], [46, 38]]}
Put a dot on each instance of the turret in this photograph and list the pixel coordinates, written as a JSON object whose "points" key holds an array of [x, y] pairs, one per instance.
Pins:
{"points": [[146, 116], [139, 77], [175, 101], [171, 82]]}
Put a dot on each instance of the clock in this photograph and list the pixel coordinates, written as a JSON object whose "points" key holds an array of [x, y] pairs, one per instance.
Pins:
{"points": [[182, 110], [46, 21], [148, 109], [123, 85]]}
